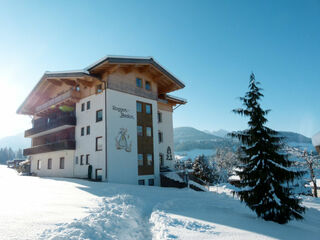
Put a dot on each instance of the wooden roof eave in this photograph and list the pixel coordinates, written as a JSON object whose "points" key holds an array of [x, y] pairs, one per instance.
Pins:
{"points": [[52, 75]]}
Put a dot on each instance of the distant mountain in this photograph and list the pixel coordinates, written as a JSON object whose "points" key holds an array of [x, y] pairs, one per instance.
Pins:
{"points": [[294, 137], [15, 142], [188, 138], [220, 133], [184, 134]]}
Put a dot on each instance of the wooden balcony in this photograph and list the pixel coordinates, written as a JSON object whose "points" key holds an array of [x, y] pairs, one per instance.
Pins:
{"points": [[70, 96], [69, 144], [58, 124]]}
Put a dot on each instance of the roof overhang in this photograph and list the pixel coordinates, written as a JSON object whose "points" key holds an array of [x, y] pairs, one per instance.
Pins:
{"points": [[137, 61], [92, 70], [50, 75]]}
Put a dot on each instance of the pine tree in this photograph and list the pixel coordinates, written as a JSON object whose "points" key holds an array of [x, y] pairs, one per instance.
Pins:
{"points": [[266, 172]]}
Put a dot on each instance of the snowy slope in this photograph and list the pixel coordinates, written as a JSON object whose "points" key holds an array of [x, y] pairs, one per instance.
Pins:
{"points": [[39, 208]]}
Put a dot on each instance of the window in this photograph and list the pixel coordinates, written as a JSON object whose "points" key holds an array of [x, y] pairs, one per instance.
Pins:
{"points": [[99, 88], [88, 130], [161, 159], [159, 117], [81, 159], [140, 130], [141, 182], [151, 182], [149, 159], [148, 85], [49, 163], [139, 82], [39, 164], [87, 159], [149, 131], [88, 105], [78, 88], [82, 107], [140, 159], [160, 134], [77, 160], [99, 144], [148, 109], [139, 107], [82, 131], [62, 163], [99, 116]]}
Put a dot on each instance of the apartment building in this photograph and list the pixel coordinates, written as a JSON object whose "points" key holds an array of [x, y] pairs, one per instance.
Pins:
{"points": [[110, 121]]}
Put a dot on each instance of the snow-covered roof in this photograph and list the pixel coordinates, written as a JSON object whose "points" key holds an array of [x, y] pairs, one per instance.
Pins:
{"points": [[316, 139]]}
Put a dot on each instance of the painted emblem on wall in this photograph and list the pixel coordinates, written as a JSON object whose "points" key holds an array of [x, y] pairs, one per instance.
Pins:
{"points": [[123, 140], [169, 153]]}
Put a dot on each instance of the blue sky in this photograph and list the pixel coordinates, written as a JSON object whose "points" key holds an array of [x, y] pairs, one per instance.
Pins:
{"points": [[212, 46]]}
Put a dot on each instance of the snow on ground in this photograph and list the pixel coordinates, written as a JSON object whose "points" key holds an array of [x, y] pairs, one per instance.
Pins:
{"points": [[57, 208]]}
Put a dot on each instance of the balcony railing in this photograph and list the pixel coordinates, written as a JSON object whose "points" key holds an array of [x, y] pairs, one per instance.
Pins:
{"points": [[54, 123], [70, 94], [50, 147]]}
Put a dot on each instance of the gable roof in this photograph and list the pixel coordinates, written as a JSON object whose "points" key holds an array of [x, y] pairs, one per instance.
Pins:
{"points": [[88, 72], [135, 60]]}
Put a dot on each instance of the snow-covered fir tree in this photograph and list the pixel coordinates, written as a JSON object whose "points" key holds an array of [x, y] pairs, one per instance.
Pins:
{"points": [[201, 169], [266, 173]]}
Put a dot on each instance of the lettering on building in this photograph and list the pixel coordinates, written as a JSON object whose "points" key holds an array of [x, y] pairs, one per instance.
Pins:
{"points": [[124, 113]]}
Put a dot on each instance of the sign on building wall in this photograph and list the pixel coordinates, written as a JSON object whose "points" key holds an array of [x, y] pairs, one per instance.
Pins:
{"points": [[124, 112]]}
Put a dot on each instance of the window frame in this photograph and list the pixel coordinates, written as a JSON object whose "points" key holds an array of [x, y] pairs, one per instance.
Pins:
{"points": [[139, 133], [147, 131], [88, 130], [61, 163], [148, 163], [97, 112], [146, 107], [83, 107], [140, 81], [97, 139], [159, 117], [140, 104], [141, 182], [87, 159], [99, 88], [81, 159], [38, 164], [82, 132], [148, 83], [88, 105], [139, 160], [49, 166], [151, 182], [160, 137]]}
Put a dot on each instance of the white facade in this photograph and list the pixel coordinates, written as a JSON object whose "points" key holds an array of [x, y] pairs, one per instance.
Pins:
{"points": [[86, 144], [55, 171], [166, 147], [122, 164]]}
